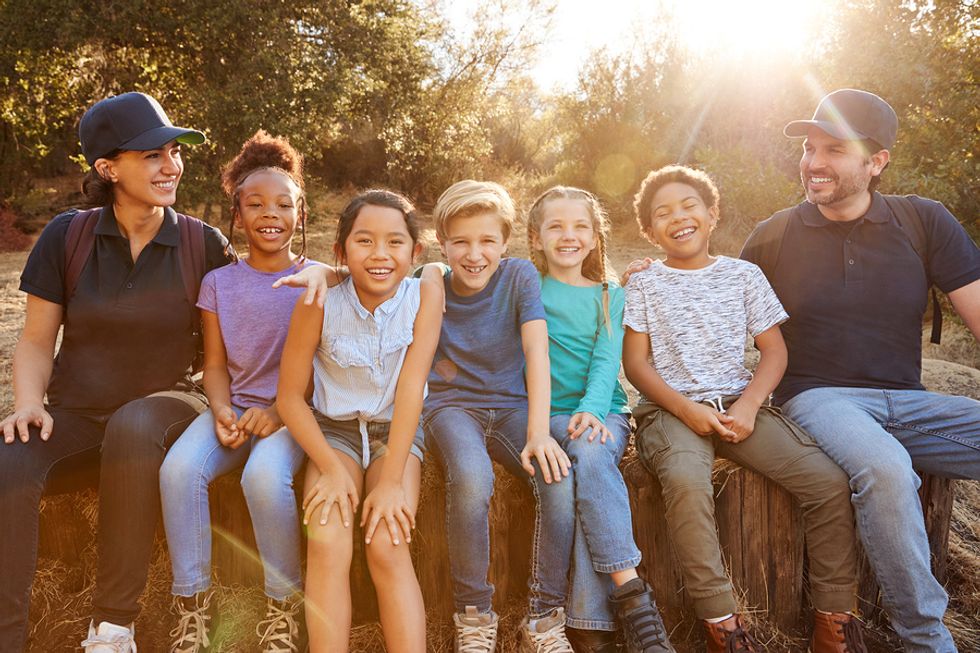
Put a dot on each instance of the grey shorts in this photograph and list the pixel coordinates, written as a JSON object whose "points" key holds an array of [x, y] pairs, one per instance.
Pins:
{"points": [[345, 437]]}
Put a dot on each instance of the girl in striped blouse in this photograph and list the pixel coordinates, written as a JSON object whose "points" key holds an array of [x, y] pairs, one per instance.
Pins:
{"points": [[369, 350]]}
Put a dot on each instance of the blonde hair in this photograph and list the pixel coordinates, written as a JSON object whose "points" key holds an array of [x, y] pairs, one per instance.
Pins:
{"points": [[468, 198], [596, 265]]}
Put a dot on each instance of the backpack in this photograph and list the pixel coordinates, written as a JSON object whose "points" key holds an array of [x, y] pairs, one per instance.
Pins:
{"points": [[191, 255], [771, 239]]}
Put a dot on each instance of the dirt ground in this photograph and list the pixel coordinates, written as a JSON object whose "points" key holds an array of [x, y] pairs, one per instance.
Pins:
{"points": [[59, 614]]}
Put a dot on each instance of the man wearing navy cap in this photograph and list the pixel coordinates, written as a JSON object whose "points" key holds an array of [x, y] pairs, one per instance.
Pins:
{"points": [[852, 268]]}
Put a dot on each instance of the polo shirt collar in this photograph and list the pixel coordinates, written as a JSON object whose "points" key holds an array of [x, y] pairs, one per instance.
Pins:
{"points": [[383, 310], [877, 212], [168, 234]]}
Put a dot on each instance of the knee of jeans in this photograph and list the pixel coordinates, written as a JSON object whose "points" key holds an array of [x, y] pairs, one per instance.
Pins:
{"points": [[135, 427], [685, 471], [178, 473], [262, 479], [886, 478], [591, 457], [470, 492]]}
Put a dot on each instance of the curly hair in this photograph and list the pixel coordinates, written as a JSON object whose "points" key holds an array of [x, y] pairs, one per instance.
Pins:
{"points": [[265, 152], [696, 179]]}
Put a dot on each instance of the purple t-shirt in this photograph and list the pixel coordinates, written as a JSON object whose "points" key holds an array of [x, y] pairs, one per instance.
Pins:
{"points": [[254, 320]]}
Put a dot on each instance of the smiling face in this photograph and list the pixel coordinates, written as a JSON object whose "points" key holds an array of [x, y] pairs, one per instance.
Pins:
{"points": [[566, 236], [473, 246], [681, 224], [268, 211], [835, 172], [379, 252], [147, 178]]}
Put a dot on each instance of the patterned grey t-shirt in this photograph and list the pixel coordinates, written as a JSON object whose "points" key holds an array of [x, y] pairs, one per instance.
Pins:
{"points": [[697, 321]]}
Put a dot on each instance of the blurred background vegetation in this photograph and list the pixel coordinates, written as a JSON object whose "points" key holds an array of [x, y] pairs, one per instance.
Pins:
{"points": [[392, 92]]}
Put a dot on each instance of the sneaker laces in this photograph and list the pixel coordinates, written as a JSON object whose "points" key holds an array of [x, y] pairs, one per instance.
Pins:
{"points": [[647, 626], [552, 640], [279, 629], [117, 642], [191, 630], [475, 639], [740, 641], [853, 639]]}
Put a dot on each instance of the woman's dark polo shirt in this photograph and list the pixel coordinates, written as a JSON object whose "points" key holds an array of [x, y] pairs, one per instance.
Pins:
{"points": [[128, 327], [856, 293]]}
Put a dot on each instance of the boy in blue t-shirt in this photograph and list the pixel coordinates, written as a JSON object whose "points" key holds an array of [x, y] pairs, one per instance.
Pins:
{"points": [[479, 409]]}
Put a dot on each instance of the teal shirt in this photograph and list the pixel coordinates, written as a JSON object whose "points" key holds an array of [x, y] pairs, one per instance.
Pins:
{"points": [[585, 357]]}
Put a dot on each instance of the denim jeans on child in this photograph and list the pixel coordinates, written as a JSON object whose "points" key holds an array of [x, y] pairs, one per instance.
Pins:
{"points": [[465, 440], [603, 525], [196, 459], [877, 436]]}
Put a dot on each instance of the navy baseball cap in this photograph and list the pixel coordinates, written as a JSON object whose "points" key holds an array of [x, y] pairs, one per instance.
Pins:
{"points": [[851, 115], [131, 121]]}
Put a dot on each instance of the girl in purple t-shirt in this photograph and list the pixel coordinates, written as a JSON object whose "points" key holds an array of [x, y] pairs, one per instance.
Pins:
{"points": [[245, 326]]}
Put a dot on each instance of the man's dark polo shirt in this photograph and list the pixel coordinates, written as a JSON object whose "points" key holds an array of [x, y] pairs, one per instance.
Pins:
{"points": [[856, 293], [128, 327]]}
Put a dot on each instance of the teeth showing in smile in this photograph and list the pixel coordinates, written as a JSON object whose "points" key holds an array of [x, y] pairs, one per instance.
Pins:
{"points": [[379, 271], [567, 250], [820, 180], [474, 269], [687, 231], [270, 230], [165, 185]]}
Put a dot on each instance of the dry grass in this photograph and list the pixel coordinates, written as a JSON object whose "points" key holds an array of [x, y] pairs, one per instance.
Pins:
{"points": [[61, 595]]}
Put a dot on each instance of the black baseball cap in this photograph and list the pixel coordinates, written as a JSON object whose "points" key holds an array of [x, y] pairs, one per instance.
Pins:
{"points": [[131, 121], [852, 115]]}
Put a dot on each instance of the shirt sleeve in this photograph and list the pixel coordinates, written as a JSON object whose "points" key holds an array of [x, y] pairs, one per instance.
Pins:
{"points": [[207, 298], [606, 359], [44, 272], [762, 308], [635, 314], [528, 286], [953, 257]]}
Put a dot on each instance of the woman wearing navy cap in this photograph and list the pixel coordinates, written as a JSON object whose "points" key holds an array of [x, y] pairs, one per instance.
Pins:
{"points": [[120, 278]]}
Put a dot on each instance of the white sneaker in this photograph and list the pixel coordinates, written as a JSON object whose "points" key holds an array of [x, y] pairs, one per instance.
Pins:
{"points": [[547, 635], [110, 638], [475, 632]]}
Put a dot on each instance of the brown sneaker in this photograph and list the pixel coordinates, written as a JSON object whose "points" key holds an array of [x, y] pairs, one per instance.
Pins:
{"points": [[728, 636], [837, 632]]}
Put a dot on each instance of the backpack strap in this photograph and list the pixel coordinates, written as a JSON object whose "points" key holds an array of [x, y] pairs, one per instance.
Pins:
{"points": [[79, 242], [770, 238], [911, 223], [191, 254]]}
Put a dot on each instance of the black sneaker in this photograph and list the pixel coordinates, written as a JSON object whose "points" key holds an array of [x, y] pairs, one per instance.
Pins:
{"points": [[592, 641], [643, 629], [196, 623]]}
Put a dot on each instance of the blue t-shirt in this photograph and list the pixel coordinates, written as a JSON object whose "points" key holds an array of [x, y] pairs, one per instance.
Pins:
{"points": [[856, 293], [479, 362]]}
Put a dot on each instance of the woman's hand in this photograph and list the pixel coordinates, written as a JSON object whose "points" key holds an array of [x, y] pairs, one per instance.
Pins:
{"points": [[262, 422], [387, 502], [581, 422], [551, 457], [17, 423], [333, 486]]}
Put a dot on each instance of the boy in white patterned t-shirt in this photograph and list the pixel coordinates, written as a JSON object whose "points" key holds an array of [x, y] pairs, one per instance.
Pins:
{"points": [[686, 319]]}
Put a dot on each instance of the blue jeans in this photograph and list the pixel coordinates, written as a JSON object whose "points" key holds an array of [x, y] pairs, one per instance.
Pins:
{"points": [[465, 440], [603, 527], [877, 436], [196, 459]]}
